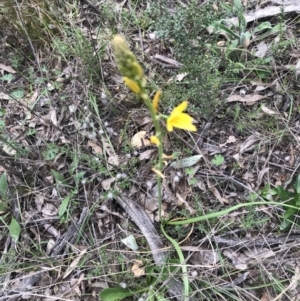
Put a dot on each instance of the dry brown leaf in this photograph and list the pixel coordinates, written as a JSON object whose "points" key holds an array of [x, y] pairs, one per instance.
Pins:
{"points": [[268, 111], [262, 49], [137, 269], [107, 183], [49, 209], [107, 147], [182, 201], [7, 69], [237, 259], [74, 264], [266, 297], [248, 143], [231, 139], [114, 160], [181, 76], [217, 194], [249, 99], [39, 201], [139, 140], [53, 117], [95, 147], [146, 154], [4, 96]]}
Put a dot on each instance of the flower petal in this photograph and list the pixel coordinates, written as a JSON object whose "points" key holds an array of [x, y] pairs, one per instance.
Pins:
{"points": [[169, 124], [154, 140], [182, 121], [180, 108], [159, 173]]}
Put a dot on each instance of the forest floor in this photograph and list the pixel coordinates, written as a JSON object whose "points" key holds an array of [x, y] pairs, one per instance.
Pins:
{"points": [[79, 209]]}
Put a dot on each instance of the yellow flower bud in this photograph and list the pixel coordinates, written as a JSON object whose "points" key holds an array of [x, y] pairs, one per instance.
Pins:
{"points": [[156, 101], [132, 85]]}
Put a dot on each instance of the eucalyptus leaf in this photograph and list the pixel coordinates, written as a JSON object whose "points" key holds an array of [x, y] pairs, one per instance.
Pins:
{"points": [[186, 162]]}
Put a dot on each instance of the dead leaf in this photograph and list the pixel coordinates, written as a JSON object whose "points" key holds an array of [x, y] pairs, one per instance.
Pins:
{"points": [[4, 96], [9, 150], [146, 154], [8, 69], [266, 297], [107, 183], [107, 147], [39, 201], [95, 147], [237, 259], [49, 209], [231, 139], [217, 194], [181, 76], [248, 143], [262, 49], [137, 269], [114, 160], [268, 111], [139, 140], [249, 99], [74, 264], [53, 117], [182, 201]]}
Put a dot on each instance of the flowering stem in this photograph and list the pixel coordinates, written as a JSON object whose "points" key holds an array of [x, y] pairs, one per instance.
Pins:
{"points": [[160, 149]]}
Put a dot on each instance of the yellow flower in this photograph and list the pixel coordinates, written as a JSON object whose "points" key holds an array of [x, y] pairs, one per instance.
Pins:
{"points": [[164, 156], [159, 173], [154, 140], [180, 120], [156, 101], [132, 85]]}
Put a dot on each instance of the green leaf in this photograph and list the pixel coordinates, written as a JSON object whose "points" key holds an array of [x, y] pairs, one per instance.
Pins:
{"points": [[117, 293], [57, 176], [51, 152], [14, 229], [284, 194], [3, 185], [130, 242], [285, 225], [186, 162], [17, 94], [160, 297], [64, 205], [218, 160], [263, 26], [225, 29], [238, 4], [78, 176], [7, 77]]}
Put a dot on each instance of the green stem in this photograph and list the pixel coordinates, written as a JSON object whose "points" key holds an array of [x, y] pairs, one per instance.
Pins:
{"points": [[160, 149]]}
